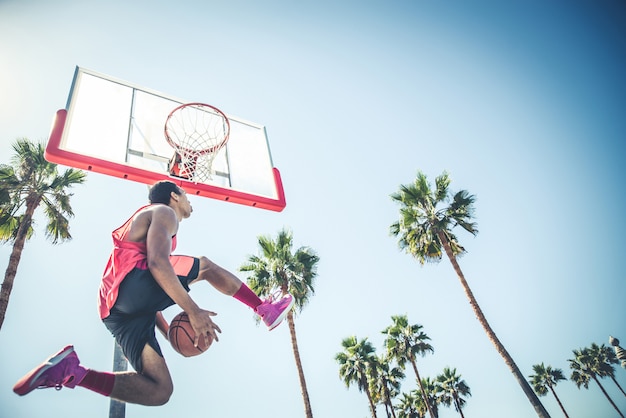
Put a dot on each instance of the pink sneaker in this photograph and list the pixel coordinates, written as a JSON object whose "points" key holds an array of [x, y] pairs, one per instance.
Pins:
{"points": [[61, 369], [274, 311]]}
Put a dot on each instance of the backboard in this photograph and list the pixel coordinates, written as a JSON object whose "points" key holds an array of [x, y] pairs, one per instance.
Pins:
{"points": [[113, 127]]}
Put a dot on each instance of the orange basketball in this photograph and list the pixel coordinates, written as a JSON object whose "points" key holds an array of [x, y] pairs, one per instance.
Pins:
{"points": [[181, 336]]}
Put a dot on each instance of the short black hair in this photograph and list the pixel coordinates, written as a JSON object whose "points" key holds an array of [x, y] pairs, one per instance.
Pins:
{"points": [[161, 192]]}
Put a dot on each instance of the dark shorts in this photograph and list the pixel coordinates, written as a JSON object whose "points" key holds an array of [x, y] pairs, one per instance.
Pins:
{"points": [[133, 316]]}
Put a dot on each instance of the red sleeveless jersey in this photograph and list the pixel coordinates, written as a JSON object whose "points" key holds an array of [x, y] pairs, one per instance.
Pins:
{"points": [[125, 256]]}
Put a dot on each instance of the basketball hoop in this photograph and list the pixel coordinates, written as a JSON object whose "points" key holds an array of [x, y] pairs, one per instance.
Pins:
{"points": [[197, 132]]}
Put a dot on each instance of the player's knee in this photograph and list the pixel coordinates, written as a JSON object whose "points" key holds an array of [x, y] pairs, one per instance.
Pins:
{"points": [[206, 264], [162, 395]]}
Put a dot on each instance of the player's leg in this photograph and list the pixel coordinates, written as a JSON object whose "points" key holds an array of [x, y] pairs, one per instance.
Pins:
{"points": [[220, 278], [152, 387], [132, 321], [272, 310]]}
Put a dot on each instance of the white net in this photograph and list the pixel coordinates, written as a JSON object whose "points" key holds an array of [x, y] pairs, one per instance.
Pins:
{"points": [[197, 132]]}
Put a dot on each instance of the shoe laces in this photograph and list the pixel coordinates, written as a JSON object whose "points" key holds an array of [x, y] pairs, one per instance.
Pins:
{"points": [[276, 295], [55, 383]]}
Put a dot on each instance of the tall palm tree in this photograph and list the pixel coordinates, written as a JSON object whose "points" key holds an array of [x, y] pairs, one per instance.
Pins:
{"points": [[585, 368], [425, 232], [453, 389], [412, 405], [404, 343], [385, 385], [358, 363], [279, 267], [546, 378], [31, 181]]}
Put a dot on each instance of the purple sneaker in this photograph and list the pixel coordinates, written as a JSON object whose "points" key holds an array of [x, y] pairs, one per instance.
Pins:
{"points": [[274, 311], [61, 369]]}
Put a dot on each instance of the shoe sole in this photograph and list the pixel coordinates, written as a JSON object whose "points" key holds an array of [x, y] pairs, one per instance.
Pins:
{"points": [[24, 385], [282, 316]]}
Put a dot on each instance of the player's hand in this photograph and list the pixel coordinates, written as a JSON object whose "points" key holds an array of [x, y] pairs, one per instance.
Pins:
{"points": [[203, 326]]}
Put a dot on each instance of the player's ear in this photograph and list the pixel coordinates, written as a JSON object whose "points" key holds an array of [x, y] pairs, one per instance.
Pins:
{"points": [[174, 196]]}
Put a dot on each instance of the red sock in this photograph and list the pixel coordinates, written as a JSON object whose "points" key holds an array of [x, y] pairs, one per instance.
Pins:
{"points": [[247, 296], [99, 382]]}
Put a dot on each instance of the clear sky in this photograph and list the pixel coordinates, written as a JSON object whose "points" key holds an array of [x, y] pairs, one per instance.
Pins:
{"points": [[522, 102]]}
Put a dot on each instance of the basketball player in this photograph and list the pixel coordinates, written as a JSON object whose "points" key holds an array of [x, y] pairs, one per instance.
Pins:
{"points": [[141, 279]]}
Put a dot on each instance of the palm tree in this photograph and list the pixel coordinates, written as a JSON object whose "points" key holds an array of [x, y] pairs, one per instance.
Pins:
{"points": [[545, 378], [425, 232], [432, 390], [412, 405], [358, 364], [404, 342], [29, 182], [452, 389], [606, 358], [279, 267], [385, 385], [586, 367]]}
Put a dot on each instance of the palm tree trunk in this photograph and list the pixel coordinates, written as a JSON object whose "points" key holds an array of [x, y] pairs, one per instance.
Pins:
{"points": [[393, 412], [607, 395], [388, 404], [296, 353], [369, 398], [457, 404], [618, 385], [14, 258], [558, 401], [419, 382], [530, 394]]}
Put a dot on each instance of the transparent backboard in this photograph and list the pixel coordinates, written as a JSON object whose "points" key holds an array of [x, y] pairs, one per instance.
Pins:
{"points": [[112, 127]]}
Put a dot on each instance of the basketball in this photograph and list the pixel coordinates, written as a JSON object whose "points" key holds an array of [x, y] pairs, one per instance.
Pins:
{"points": [[181, 335]]}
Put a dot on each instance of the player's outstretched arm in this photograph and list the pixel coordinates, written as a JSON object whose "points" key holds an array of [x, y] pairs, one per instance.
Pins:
{"points": [[163, 226]]}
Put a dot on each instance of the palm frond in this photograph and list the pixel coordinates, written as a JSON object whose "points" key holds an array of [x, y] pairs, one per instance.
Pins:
{"points": [[278, 266], [420, 222]]}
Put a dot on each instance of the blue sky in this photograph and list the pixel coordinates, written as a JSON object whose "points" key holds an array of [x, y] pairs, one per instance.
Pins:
{"points": [[522, 103]]}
